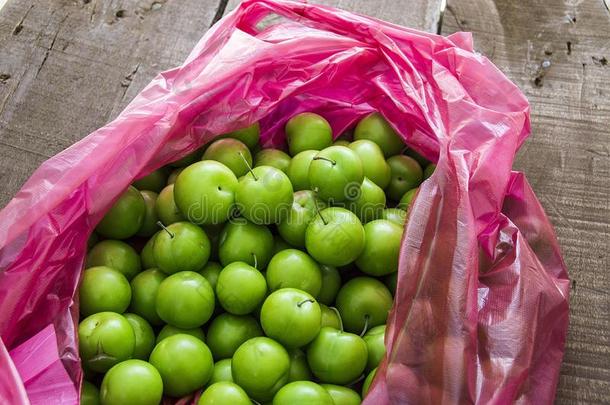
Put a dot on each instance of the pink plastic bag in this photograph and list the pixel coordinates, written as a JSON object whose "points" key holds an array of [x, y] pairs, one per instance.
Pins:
{"points": [[481, 309]]}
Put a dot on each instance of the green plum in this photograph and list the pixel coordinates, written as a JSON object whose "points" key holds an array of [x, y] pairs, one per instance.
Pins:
{"points": [[330, 317], [382, 240], [144, 335], [375, 345], [125, 217], [155, 181], [291, 317], [92, 240], [166, 208], [368, 381], [279, 244], [342, 395], [211, 272], [149, 224], [248, 135], [231, 153], [406, 174], [184, 362], [224, 392], [182, 246], [187, 159], [240, 288], [133, 382], [144, 289], [331, 282], [222, 371], [169, 330], [105, 339], [147, 258], [296, 269], [302, 392], [298, 170], [264, 196], [89, 395], [375, 128], [185, 299], [307, 131], [103, 289], [171, 179], [304, 207], [396, 215], [369, 203], [429, 170], [336, 174], [205, 192], [341, 142], [335, 237], [407, 199], [337, 357], [419, 158], [374, 165], [227, 332], [117, 255], [363, 302], [272, 157], [243, 241], [261, 366], [299, 369]]}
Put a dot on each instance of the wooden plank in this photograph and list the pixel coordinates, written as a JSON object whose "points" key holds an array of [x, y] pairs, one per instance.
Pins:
{"points": [[420, 14], [68, 67], [558, 53]]}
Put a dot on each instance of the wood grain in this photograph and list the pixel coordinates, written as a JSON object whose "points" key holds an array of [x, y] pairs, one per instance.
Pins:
{"points": [[68, 67], [557, 52]]}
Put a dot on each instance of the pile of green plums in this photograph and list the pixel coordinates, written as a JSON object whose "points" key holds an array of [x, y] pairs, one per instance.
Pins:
{"points": [[243, 275]]}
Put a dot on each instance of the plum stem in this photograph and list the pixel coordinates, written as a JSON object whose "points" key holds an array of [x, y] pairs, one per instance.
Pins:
{"points": [[315, 202], [255, 261], [366, 325], [324, 158], [338, 316], [171, 234], [249, 167], [304, 301], [255, 401], [356, 381]]}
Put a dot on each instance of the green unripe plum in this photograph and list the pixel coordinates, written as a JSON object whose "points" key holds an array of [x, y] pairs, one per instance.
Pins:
{"points": [[342, 395], [336, 174], [89, 395], [298, 170], [117, 255], [149, 224], [184, 362], [291, 317], [205, 192], [243, 241], [341, 142], [105, 339], [171, 179], [370, 201], [133, 382], [375, 128], [368, 381], [144, 289], [304, 208], [125, 217], [155, 181], [307, 131], [331, 282], [296, 269], [330, 317], [406, 174], [169, 330], [407, 199], [185, 299], [261, 366], [395, 215], [187, 159], [222, 371], [248, 135], [429, 170], [92, 240], [419, 158], [381, 248], [211, 272], [363, 301], [274, 158], [299, 369], [264, 196], [240, 288], [279, 244], [147, 258], [144, 335], [224, 393], [182, 246], [302, 392], [166, 208], [375, 345], [374, 165], [227, 332], [335, 237], [231, 153], [103, 289]]}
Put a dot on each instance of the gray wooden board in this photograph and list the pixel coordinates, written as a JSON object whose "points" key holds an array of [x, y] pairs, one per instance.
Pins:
{"points": [[567, 158]]}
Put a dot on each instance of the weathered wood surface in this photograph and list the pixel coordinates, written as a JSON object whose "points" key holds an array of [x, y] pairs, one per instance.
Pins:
{"points": [[67, 67]]}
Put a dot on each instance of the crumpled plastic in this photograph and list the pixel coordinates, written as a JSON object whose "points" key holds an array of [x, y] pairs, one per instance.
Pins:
{"points": [[481, 309]]}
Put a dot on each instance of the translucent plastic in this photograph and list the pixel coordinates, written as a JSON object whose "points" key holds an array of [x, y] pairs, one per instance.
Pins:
{"points": [[481, 309]]}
